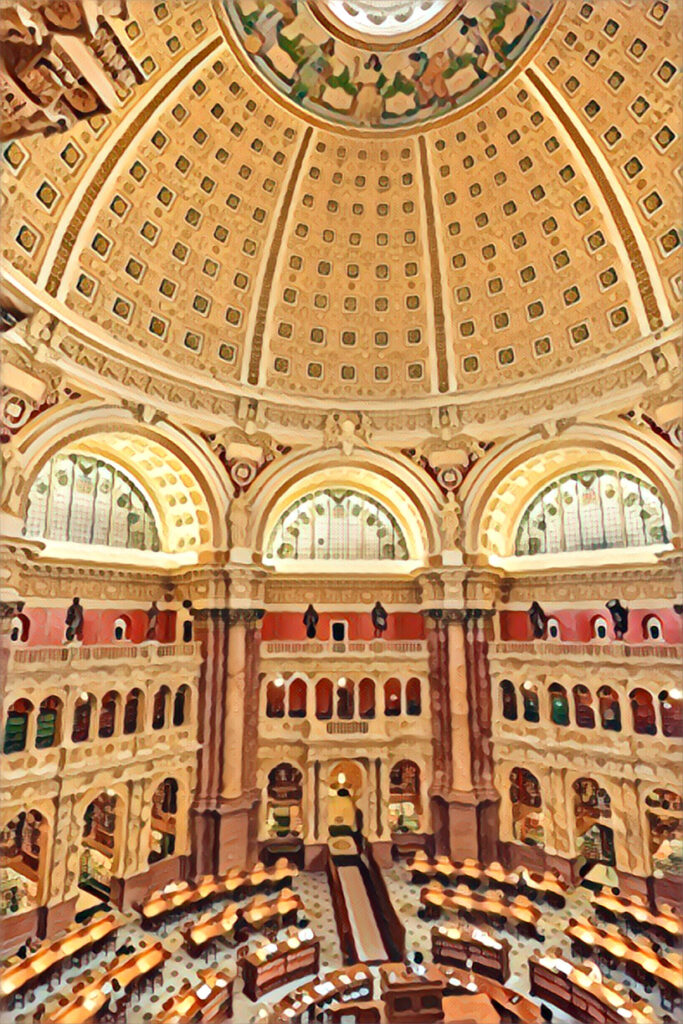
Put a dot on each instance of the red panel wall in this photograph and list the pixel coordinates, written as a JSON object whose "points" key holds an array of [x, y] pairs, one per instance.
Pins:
{"points": [[290, 626], [48, 625], [576, 624]]}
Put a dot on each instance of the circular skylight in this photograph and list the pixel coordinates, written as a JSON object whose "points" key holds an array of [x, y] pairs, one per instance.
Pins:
{"points": [[385, 17]]}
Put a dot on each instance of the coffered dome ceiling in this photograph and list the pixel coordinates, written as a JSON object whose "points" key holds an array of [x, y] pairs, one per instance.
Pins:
{"points": [[290, 207]]}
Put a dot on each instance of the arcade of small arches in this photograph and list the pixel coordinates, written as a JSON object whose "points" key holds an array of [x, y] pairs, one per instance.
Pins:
{"points": [[651, 713]]}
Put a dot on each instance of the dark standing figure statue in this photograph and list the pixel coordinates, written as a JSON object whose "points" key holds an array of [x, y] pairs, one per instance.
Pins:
{"points": [[538, 620], [380, 618], [311, 621], [619, 617], [74, 620], [152, 621]]}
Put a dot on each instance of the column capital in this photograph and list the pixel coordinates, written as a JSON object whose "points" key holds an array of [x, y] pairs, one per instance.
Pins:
{"points": [[249, 617], [231, 616], [445, 615]]}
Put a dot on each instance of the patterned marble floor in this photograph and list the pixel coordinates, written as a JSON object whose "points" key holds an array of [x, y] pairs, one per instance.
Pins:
{"points": [[315, 894]]}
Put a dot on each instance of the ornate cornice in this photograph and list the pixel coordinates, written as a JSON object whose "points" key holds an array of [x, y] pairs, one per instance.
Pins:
{"points": [[615, 383]]}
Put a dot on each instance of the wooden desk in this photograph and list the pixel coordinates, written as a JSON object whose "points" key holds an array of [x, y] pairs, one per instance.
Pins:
{"points": [[423, 869], [269, 968], [462, 985], [179, 896], [456, 944], [547, 886], [662, 925], [575, 989], [99, 929], [494, 906], [208, 1000], [127, 970], [413, 998], [350, 984], [641, 960], [236, 922]]}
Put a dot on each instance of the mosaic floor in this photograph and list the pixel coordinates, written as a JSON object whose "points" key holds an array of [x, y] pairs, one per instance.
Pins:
{"points": [[314, 892]]}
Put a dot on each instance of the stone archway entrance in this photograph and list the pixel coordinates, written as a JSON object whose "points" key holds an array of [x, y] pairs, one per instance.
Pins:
{"points": [[347, 791]]}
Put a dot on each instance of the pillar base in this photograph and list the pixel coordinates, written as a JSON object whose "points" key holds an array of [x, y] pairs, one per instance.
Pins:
{"points": [[16, 928], [315, 856], [129, 892], [59, 917], [223, 836], [381, 850], [665, 890], [473, 829], [633, 884]]}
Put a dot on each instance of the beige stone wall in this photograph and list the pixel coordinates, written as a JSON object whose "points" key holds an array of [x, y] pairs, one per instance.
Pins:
{"points": [[626, 764], [60, 781]]}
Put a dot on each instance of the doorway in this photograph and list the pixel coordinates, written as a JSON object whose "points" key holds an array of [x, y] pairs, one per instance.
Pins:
{"points": [[344, 814]]}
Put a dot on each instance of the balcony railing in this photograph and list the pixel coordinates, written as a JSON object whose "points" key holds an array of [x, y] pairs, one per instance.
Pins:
{"points": [[72, 654], [352, 648], [347, 728], [614, 649]]}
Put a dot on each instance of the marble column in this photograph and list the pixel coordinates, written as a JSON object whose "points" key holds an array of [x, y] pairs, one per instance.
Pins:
{"points": [[239, 799], [223, 823], [461, 755]]}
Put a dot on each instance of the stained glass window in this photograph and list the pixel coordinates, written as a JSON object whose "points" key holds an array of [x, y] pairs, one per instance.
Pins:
{"points": [[593, 509], [337, 524], [86, 500]]}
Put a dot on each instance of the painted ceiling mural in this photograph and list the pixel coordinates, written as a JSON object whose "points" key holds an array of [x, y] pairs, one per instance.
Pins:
{"points": [[384, 65]]}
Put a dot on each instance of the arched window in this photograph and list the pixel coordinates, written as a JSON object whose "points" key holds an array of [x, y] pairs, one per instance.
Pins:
{"points": [[345, 695], [188, 631], [599, 628], [85, 500], [559, 705], [643, 711], [132, 713], [16, 726], [99, 842], [163, 830], [652, 628], [285, 795], [160, 707], [392, 698], [583, 707], [592, 806], [527, 813], [553, 629], [110, 703], [48, 723], [181, 704], [297, 698], [413, 697], [275, 698], [665, 820], [610, 710], [508, 697], [323, 699], [336, 523], [671, 710], [22, 850], [593, 509], [404, 797], [530, 700], [121, 628], [366, 698], [82, 715], [19, 632]]}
